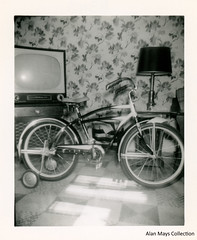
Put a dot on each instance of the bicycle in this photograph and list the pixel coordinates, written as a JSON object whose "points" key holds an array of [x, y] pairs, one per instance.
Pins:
{"points": [[149, 152]]}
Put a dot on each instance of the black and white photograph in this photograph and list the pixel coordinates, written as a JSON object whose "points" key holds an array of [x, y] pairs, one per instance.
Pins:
{"points": [[99, 113], [100, 134]]}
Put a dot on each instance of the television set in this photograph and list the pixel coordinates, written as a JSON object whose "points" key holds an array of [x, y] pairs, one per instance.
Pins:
{"points": [[40, 75]]}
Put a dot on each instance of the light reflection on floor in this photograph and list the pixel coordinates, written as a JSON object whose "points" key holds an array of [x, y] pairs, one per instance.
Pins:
{"points": [[88, 215], [104, 182], [94, 215], [108, 194]]}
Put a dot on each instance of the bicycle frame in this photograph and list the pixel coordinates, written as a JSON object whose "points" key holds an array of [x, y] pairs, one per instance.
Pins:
{"points": [[121, 120], [91, 143]]}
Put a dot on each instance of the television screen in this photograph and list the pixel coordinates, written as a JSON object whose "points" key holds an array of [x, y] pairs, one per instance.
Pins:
{"points": [[39, 74]]}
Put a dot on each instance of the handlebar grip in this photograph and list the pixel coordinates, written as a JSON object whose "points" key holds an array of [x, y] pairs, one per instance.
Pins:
{"points": [[117, 81], [112, 84]]}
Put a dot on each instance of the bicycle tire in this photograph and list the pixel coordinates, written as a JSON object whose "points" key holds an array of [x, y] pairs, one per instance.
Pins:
{"points": [[56, 166], [159, 169]]}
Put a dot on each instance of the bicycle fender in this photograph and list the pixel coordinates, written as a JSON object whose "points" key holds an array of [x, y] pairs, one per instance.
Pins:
{"points": [[30, 125], [153, 120], [158, 120]]}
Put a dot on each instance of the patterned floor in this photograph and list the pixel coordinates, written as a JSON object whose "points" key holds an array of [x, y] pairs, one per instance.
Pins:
{"points": [[102, 197]]}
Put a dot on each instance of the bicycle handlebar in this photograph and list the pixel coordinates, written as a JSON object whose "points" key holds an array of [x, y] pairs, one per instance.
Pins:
{"points": [[119, 80]]}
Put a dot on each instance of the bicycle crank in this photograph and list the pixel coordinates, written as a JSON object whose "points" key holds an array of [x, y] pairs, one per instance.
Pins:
{"points": [[96, 151], [97, 156]]}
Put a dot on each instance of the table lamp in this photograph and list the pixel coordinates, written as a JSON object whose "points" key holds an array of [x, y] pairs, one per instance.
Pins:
{"points": [[154, 61]]}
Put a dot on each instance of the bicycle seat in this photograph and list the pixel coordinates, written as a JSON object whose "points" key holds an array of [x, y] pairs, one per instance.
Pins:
{"points": [[63, 99]]}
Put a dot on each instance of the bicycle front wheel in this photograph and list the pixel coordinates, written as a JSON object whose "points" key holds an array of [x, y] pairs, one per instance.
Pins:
{"points": [[154, 160], [42, 157]]}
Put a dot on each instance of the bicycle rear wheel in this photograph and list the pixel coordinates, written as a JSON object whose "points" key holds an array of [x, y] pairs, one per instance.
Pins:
{"points": [[157, 160], [42, 157]]}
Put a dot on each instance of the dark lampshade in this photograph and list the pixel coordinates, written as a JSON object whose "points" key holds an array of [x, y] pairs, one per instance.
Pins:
{"points": [[154, 60]]}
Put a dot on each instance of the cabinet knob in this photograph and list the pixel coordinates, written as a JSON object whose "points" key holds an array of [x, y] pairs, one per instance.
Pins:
{"points": [[17, 98], [37, 111]]}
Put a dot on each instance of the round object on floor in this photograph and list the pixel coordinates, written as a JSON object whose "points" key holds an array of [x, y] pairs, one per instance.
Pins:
{"points": [[30, 179]]}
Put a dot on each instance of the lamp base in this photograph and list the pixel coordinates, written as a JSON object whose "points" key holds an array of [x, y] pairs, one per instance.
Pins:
{"points": [[151, 101]]}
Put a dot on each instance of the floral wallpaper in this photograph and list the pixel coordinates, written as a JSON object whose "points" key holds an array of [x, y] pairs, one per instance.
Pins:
{"points": [[99, 49]]}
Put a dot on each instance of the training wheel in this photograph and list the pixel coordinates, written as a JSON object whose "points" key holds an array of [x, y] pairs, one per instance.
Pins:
{"points": [[30, 179]]}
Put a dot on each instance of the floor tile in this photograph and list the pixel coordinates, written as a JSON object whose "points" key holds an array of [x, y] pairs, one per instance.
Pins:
{"points": [[169, 216], [34, 203], [114, 209], [170, 197], [51, 219], [66, 208], [26, 217], [138, 214], [18, 197]]}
